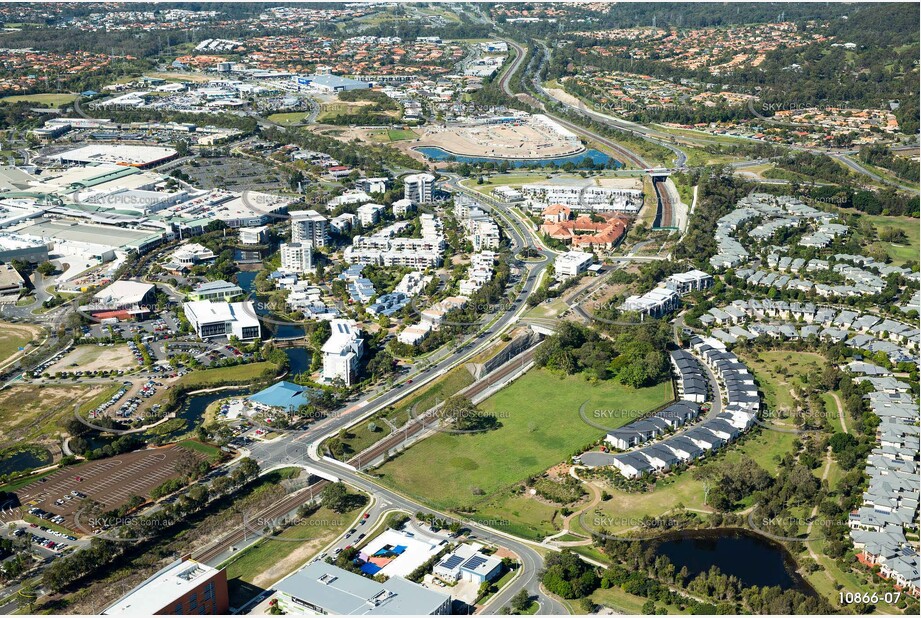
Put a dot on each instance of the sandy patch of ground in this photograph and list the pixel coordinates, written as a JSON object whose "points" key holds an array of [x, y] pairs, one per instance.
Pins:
{"points": [[95, 358], [35, 412], [291, 562]]}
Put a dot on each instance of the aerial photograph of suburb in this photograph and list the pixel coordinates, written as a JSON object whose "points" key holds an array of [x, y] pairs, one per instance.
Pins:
{"points": [[402, 308]]}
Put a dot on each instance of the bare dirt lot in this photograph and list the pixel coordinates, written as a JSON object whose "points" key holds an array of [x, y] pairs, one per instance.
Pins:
{"points": [[35, 412], [95, 358], [110, 482]]}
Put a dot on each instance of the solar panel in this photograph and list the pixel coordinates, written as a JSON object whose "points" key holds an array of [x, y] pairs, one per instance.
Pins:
{"points": [[452, 562], [475, 562]]}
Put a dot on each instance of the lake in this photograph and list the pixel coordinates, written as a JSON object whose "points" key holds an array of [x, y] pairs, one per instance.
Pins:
{"points": [[755, 560], [597, 157]]}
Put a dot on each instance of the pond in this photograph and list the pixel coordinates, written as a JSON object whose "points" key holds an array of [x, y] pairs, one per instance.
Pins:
{"points": [[298, 360], [278, 329], [597, 157], [25, 458], [193, 410], [755, 560]]}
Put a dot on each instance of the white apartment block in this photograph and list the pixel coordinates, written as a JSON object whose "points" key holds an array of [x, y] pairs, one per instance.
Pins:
{"points": [[369, 214], [382, 250], [342, 352], [655, 303], [297, 257], [583, 198], [403, 207], [691, 281], [418, 188], [309, 226], [253, 235]]}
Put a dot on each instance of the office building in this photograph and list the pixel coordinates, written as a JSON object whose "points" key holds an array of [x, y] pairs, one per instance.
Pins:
{"points": [[572, 264], [217, 319], [184, 587]]}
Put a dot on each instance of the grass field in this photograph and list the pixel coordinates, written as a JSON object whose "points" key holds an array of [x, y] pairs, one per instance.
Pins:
{"points": [[778, 371], [624, 510], [213, 453], [289, 118], [52, 99], [359, 437], [29, 412], [13, 337], [625, 603], [223, 375], [899, 253], [540, 427], [392, 135], [519, 514], [272, 558]]}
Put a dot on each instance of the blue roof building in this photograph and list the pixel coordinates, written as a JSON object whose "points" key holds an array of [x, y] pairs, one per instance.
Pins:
{"points": [[286, 395]]}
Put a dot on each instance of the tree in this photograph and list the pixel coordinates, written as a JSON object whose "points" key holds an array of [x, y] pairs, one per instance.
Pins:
{"points": [[45, 268], [520, 602]]}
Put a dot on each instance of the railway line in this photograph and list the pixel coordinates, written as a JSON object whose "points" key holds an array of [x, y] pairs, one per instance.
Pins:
{"points": [[665, 209], [419, 424]]}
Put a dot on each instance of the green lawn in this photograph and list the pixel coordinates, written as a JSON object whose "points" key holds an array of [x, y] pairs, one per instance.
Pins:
{"points": [[289, 118], [52, 99], [625, 603], [625, 509], [540, 427], [777, 371], [899, 253], [392, 135], [12, 337], [213, 453], [224, 375], [359, 437], [519, 514]]}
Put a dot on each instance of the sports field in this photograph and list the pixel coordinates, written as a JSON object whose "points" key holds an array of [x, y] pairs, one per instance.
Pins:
{"points": [[289, 118], [540, 427]]}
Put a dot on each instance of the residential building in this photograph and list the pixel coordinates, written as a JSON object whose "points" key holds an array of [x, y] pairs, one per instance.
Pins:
{"points": [[403, 207], [309, 226], [369, 214], [253, 235], [297, 257], [342, 352], [654, 303], [691, 281], [419, 188]]}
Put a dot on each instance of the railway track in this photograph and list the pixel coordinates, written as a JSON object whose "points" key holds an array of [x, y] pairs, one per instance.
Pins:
{"points": [[293, 501], [665, 211]]}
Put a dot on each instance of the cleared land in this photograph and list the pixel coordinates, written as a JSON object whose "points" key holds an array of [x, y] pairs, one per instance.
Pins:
{"points": [[526, 139], [391, 135], [15, 336], [289, 118], [95, 358], [540, 426], [34, 412], [277, 556], [52, 99]]}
